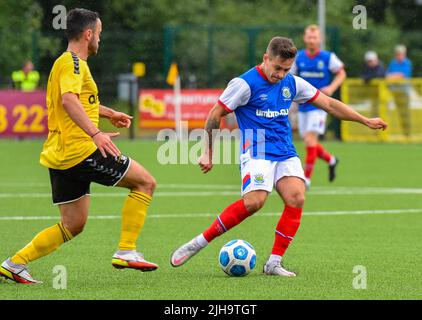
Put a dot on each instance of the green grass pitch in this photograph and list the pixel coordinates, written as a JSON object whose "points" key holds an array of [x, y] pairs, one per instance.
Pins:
{"points": [[371, 216]]}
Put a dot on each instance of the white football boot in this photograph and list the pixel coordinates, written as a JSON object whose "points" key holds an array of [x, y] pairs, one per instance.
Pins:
{"points": [[132, 260], [274, 268], [185, 252], [17, 272]]}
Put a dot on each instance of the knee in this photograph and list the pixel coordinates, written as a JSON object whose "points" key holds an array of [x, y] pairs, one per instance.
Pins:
{"points": [[254, 204], [148, 185], [311, 140], [151, 184], [74, 228], [296, 199]]}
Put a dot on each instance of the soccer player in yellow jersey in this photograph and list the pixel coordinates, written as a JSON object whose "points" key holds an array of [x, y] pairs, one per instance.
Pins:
{"points": [[77, 153]]}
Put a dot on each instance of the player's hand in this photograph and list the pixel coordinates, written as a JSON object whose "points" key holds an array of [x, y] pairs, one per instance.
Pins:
{"points": [[103, 142], [376, 123], [205, 162], [121, 120], [327, 91]]}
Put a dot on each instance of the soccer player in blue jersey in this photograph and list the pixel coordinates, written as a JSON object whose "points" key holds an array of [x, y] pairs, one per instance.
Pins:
{"points": [[261, 100], [317, 67]]}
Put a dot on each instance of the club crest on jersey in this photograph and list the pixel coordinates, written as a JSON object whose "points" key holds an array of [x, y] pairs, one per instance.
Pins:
{"points": [[286, 92], [321, 64], [259, 178]]}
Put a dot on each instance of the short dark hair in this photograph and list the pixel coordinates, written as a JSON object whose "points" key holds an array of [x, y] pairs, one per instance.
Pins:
{"points": [[282, 47], [78, 20]]}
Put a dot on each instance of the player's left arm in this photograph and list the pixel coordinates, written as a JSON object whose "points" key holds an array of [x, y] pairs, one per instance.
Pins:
{"points": [[336, 83], [117, 119], [336, 66], [344, 112]]}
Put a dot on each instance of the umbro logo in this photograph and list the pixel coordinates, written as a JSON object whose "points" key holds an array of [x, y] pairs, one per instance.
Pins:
{"points": [[263, 97]]}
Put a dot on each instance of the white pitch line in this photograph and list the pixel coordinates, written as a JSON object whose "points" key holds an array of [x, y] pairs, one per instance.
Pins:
{"points": [[24, 184], [121, 194], [159, 186], [341, 191], [314, 190], [204, 215], [364, 191]]}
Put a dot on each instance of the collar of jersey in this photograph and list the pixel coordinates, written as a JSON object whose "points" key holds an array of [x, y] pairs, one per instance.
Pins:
{"points": [[311, 56], [71, 52], [261, 73]]}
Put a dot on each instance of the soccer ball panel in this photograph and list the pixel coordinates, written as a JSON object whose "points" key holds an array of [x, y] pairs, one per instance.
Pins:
{"points": [[240, 252], [252, 262], [228, 244], [248, 244], [238, 270], [224, 258]]}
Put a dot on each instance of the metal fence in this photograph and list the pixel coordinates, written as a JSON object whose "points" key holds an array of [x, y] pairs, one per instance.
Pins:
{"points": [[208, 56], [398, 102]]}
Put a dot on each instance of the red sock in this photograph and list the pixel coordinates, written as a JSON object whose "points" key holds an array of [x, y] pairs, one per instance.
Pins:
{"points": [[230, 217], [323, 154], [311, 157], [286, 229]]}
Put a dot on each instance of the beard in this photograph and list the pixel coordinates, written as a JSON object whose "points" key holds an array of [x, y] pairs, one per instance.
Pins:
{"points": [[275, 79], [93, 47]]}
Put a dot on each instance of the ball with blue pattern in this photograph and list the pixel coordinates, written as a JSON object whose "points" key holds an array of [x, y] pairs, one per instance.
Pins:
{"points": [[237, 258]]}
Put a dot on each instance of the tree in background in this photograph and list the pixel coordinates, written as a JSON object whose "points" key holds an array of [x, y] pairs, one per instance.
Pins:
{"points": [[134, 31], [18, 20], [20, 26]]}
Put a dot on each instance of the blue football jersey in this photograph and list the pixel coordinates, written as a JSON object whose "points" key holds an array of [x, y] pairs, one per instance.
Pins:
{"points": [[316, 69], [262, 112]]}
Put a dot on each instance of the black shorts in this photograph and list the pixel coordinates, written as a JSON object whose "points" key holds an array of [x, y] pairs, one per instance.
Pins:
{"points": [[72, 184]]}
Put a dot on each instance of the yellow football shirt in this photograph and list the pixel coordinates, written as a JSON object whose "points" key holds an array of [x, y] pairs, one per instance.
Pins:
{"points": [[67, 144]]}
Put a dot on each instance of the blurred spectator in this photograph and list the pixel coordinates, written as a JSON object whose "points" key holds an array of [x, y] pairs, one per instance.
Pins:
{"points": [[192, 81], [26, 79], [373, 68], [400, 67]]}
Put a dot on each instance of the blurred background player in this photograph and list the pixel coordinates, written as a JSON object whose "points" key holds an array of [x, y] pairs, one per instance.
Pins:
{"points": [[373, 67], [77, 153], [261, 100], [317, 67], [27, 78]]}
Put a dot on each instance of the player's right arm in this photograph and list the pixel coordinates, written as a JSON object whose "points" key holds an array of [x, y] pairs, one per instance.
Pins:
{"points": [[71, 79], [212, 123], [235, 95], [74, 108]]}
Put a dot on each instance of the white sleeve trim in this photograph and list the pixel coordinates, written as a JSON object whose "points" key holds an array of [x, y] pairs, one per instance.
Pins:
{"points": [[305, 92], [335, 64], [235, 95]]}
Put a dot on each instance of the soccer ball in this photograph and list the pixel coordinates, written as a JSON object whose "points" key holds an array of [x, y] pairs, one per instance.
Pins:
{"points": [[237, 258]]}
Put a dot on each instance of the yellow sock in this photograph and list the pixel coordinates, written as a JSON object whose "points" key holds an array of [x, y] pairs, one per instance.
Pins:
{"points": [[133, 217], [44, 243]]}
